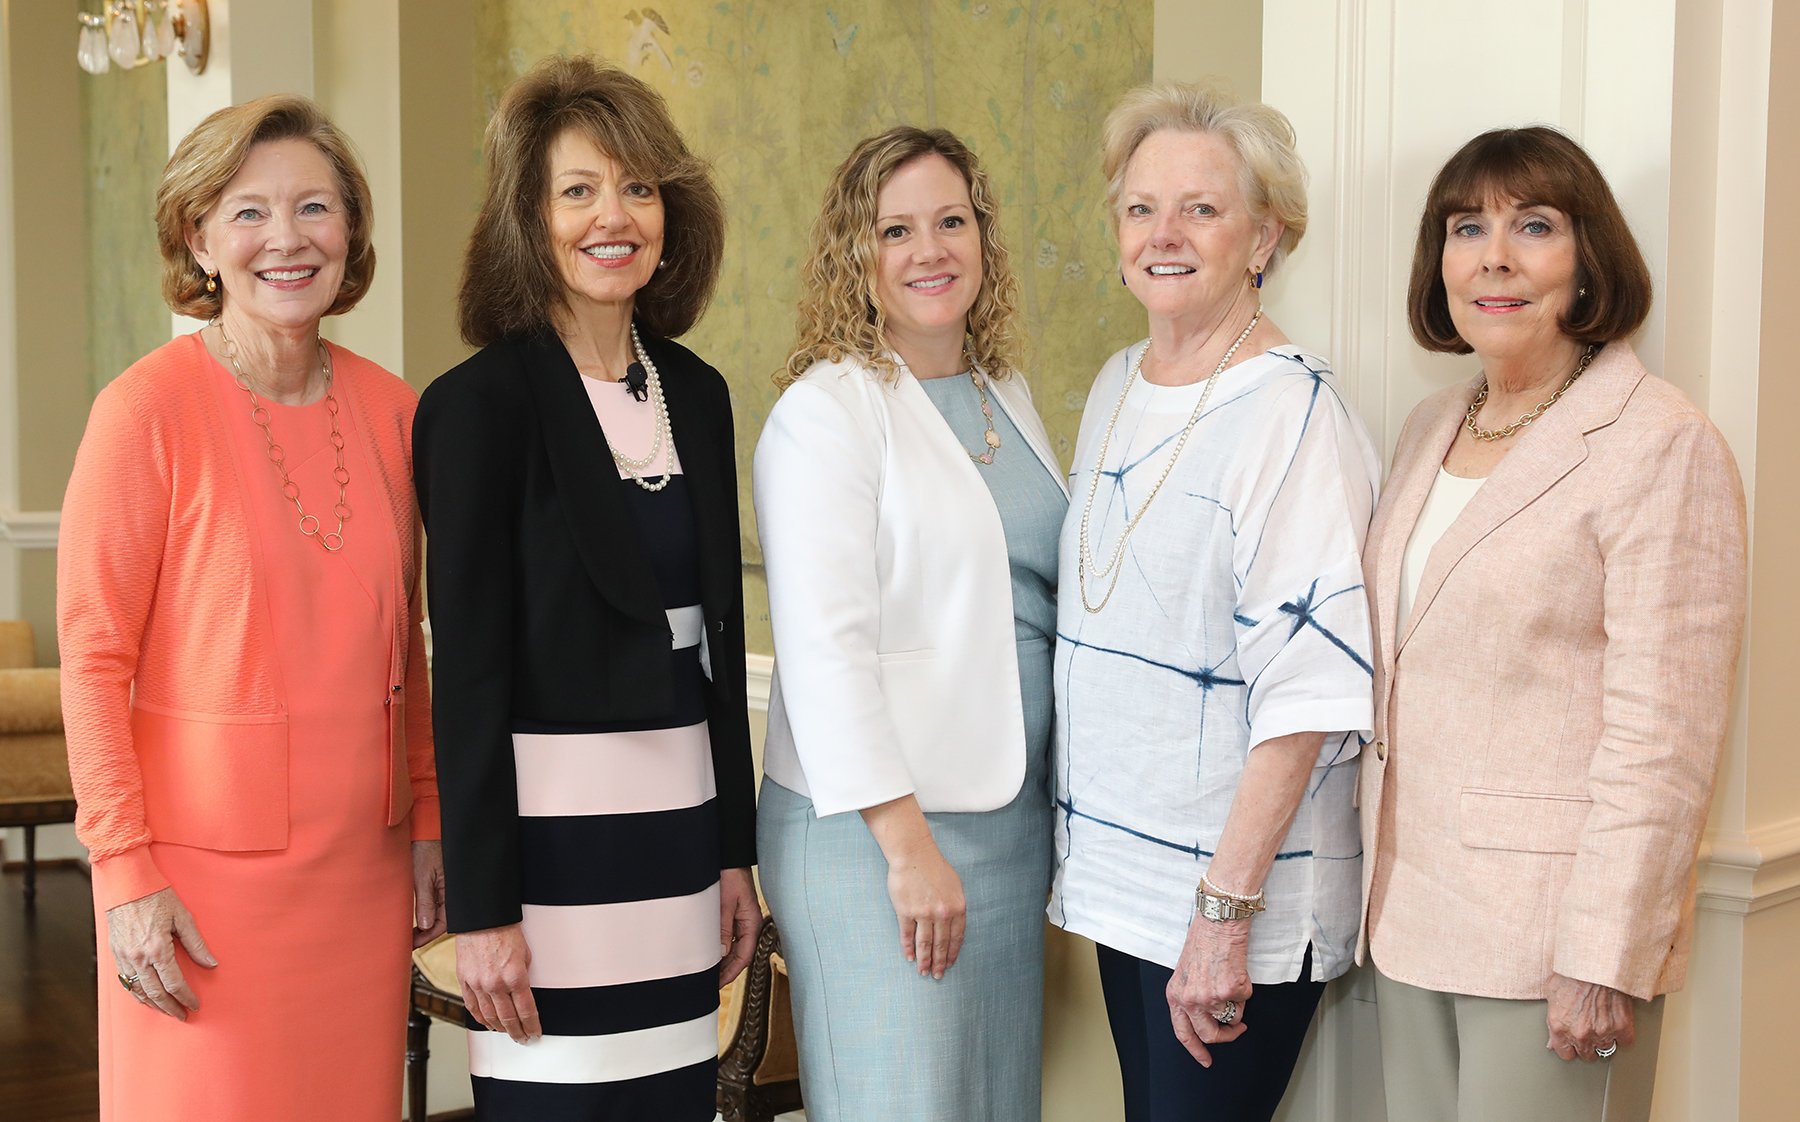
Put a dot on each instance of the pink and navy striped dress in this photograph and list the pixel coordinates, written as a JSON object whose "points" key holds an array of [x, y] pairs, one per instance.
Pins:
{"points": [[624, 952]]}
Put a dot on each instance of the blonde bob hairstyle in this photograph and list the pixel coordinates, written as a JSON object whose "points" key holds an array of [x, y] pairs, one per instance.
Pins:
{"points": [[207, 160], [1270, 172], [840, 317], [510, 284]]}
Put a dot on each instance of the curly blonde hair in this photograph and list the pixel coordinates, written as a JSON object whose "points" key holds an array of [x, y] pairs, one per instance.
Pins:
{"points": [[839, 316]]}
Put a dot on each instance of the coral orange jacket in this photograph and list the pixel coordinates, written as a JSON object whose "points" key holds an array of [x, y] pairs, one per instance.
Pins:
{"points": [[172, 699]]}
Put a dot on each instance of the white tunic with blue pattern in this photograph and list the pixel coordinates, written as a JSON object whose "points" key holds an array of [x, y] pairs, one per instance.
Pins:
{"points": [[1239, 617]]}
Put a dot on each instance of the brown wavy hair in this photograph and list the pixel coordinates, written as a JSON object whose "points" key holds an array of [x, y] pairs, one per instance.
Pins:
{"points": [[839, 316], [205, 162], [1539, 166], [510, 283]]}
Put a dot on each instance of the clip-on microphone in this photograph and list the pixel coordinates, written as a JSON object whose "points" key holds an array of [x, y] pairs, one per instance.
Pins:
{"points": [[637, 381]]}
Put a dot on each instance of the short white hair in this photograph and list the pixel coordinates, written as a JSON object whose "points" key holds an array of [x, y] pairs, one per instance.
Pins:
{"points": [[1273, 178]]}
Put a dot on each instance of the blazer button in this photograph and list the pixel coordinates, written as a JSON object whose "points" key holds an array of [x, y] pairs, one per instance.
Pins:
{"points": [[718, 625], [1381, 751]]}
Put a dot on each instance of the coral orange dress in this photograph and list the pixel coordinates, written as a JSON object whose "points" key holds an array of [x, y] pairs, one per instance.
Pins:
{"points": [[304, 1017]]}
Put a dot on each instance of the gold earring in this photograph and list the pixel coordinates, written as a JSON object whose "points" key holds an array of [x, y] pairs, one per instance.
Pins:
{"points": [[212, 282], [1581, 293]]}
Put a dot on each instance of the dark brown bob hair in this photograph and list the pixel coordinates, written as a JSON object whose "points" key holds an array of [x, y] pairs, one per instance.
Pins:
{"points": [[510, 283], [208, 158], [1537, 166]]}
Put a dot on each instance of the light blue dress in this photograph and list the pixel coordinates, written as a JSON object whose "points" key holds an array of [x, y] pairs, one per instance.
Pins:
{"points": [[877, 1041]]}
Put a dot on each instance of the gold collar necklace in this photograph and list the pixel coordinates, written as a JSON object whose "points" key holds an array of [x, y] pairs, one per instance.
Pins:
{"points": [[1481, 397]]}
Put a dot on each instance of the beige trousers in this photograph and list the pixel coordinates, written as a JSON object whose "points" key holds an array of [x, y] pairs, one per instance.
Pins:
{"points": [[1448, 1057]]}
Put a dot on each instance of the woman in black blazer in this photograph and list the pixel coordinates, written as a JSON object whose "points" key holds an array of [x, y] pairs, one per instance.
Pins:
{"points": [[578, 485]]}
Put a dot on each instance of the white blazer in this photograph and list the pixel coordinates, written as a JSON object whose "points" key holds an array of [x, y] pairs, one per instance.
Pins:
{"points": [[890, 596]]}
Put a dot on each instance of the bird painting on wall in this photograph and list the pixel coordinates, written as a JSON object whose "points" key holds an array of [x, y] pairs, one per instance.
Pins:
{"points": [[643, 46]]}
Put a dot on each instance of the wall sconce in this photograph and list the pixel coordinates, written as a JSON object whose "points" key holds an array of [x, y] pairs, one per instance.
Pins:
{"points": [[130, 33]]}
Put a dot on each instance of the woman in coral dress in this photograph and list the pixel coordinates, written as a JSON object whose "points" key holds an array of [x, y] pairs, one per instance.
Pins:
{"points": [[243, 666]]}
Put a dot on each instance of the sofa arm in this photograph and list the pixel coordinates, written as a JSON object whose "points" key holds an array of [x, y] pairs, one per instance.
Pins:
{"points": [[31, 701]]}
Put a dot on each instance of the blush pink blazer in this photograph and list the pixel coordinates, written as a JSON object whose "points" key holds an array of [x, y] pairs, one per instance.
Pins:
{"points": [[1550, 716]]}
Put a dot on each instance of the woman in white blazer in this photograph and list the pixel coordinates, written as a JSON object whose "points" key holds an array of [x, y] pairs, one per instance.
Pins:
{"points": [[909, 505]]}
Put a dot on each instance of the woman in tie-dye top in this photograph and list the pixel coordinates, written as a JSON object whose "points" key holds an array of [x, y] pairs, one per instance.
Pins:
{"points": [[1212, 654]]}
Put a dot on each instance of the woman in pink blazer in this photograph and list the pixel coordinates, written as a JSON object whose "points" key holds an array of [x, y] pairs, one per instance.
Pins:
{"points": [[1557, 572]]}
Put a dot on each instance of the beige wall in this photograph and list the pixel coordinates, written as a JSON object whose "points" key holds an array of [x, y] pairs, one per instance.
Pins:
{"points": [[1774, 656], [1214, 42], [50, 231], [396, 77], [1769, 1078]]}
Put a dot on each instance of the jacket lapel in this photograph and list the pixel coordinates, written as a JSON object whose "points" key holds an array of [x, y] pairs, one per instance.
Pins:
{"points": [[1014, 396], [1547, 451], [1405, 495], [703, 465], [588, 483]]}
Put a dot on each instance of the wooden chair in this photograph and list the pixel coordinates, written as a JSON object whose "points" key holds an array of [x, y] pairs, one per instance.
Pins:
{"points": [[759, 1070], [759, 1060], [34, 757]]}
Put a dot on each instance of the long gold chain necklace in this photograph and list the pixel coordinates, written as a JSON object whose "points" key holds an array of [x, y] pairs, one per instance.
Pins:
{"points": [[333, 540], [990, 437], [1481, 397], [634, 466], [1085, 554]]}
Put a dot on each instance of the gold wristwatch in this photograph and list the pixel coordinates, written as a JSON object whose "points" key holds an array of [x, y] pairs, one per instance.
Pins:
{"points": [[1224, 909]]}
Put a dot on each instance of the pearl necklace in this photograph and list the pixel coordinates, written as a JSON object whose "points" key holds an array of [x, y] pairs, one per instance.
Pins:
{"points": [[333, 540], [634, 466], [1085, 557]]}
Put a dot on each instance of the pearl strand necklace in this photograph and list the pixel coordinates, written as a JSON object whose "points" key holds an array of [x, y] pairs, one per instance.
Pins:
{"points": [[1085, 557], [634, 466]]}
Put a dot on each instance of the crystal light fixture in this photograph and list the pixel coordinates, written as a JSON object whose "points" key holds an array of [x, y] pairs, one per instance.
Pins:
{"points": [[130, 33]]}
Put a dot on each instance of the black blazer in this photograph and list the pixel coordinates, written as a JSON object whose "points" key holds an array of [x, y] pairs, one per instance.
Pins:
{"points": [[543, 603]]}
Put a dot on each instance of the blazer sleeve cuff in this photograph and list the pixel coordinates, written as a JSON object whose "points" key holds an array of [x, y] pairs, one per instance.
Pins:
{"points": [[122, 878], [426, 824], [872, 791], [1638, 978], [738, 852]]}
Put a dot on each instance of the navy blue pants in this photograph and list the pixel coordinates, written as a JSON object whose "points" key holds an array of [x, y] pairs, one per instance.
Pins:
{"points": [[1165, 1084]]}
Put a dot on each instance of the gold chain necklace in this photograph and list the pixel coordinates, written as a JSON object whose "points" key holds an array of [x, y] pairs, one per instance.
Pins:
{"points": [[1481, 397], [330, 541], [990, 438], [1085, 555], [633, 466]]}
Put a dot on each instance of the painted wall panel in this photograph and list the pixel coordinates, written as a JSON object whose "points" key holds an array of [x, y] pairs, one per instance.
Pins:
{"points": [[775, 95]]}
